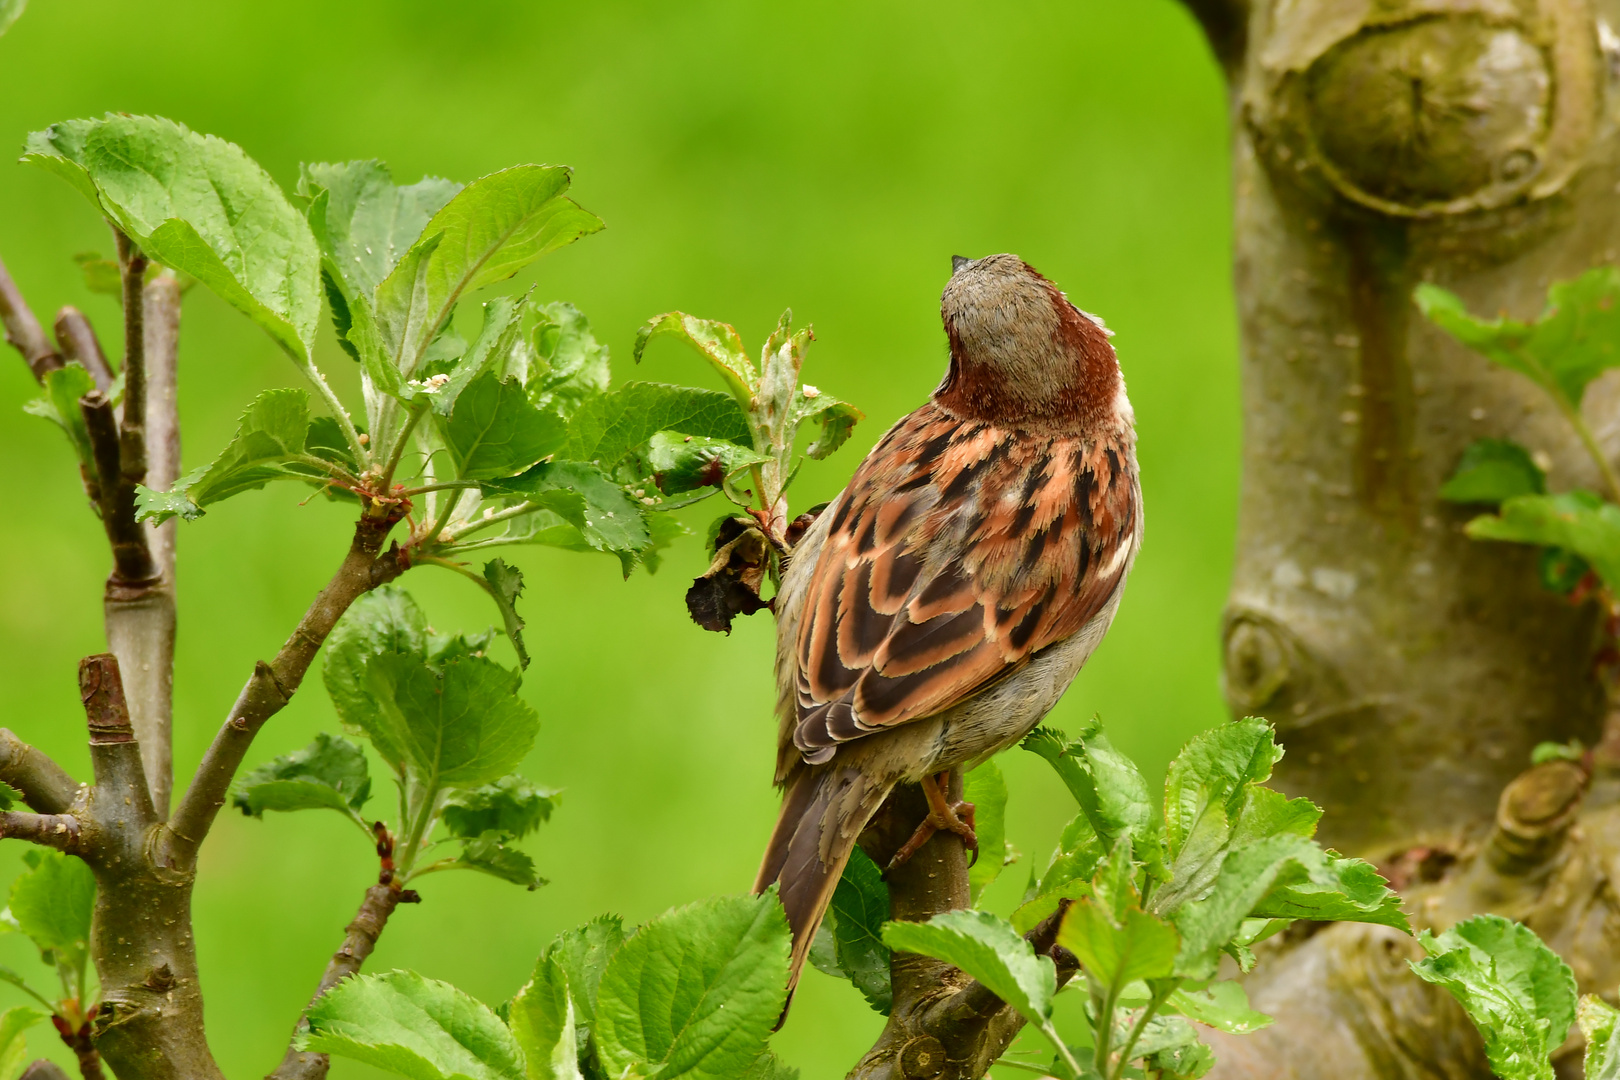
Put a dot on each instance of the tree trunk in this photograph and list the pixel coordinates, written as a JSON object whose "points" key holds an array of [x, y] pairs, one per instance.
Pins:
{"points": [[1409, 670]]}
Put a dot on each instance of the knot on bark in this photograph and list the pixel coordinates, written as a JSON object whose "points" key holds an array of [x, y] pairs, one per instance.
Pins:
{"points": [[101, 689]]}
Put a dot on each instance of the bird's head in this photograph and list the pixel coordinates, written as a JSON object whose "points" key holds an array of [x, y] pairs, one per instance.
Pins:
{"points": [[1020, 352]]}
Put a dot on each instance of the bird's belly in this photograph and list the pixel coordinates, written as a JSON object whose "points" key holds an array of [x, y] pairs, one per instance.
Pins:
{"points": [[993, 720]]}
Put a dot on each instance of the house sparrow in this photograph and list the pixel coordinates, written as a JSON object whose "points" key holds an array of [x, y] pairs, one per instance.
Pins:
{"points": [[940, 606]]}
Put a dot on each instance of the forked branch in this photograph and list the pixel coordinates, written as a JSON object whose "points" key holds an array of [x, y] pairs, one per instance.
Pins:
{"points": [[272, 685]]}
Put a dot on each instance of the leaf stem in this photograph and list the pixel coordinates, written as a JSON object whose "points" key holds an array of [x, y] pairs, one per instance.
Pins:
{"points": [[339, 413], [1105, 1028], [438, 528], [1062, 1048], [447, 485], [1584, 433], [496, 518], [1131, 1038], [400, 445]]}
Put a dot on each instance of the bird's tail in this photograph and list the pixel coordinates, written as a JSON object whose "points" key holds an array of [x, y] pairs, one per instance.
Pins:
{"points": [[824, 811]]}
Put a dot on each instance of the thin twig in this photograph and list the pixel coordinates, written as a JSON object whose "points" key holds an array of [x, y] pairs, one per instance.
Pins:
{"points": [[272, 685], [45, 786], [23, 331], [132, 265], [59, 831], [132, 558], [79, 344], [360, 939]]}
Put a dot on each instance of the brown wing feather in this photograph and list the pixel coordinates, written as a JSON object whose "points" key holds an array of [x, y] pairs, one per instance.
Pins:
{"points": [[957, 552]]}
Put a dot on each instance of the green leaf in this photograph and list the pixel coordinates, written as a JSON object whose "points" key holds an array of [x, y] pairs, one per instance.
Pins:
{"points": [[9, 797], [682, 463], [663, 530], [584, 953], [329, 773], [610, 520], [608, 427], [10, 12], [1577, 521], [1544, 752], [545, 1025], [1221, 1005], [1067, 876], [1186, 1062], [103, 276], [383, 620], [696, 991], [566, 365], [1518, 992], [716, 342], [1574, 341], [1138, 946], [769, 1067], [1245, 877], [860, 907], [988, 949], [491, 854], [52, 904], [505, 585], [419, 1028], [497, 338], [836, 418], [60, 405], [494, 431], [1597, 1019], [200, 205], [1215, 769], [1560, 570], [13, 1022], [1338, 889], [491, 229], [1494, 470], [510, 805], [460, 726], [1107, 785], [269, 437], [985, 788], [366, 223]]}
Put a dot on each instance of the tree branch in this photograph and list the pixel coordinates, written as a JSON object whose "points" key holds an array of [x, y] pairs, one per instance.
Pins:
{"points": [[132, 559], [942, 1023], [132, 422], [272, 685], [140, 615], [79, 343], [361, 938], [23, 332], [1226, 26], [43, 783], [121, 789], [59, 831]]}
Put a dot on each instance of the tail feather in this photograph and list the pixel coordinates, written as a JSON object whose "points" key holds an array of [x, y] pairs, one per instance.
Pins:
{"points": [[824, 811]]}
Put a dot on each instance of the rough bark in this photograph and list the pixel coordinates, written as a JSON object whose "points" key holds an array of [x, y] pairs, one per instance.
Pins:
{"points": [[1409, 670]]}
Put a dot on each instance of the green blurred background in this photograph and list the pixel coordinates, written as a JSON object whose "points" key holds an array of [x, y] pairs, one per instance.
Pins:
{"points": [[746, 157]]}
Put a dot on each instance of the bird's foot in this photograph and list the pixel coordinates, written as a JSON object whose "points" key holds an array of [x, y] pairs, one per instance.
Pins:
{"points": [[942, 815]]}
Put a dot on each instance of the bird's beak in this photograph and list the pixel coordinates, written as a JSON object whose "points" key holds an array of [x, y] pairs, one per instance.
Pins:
{"points": [[958, 262]]}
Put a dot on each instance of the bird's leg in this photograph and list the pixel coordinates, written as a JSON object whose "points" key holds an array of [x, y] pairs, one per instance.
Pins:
{"points": [[942, 814]]}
